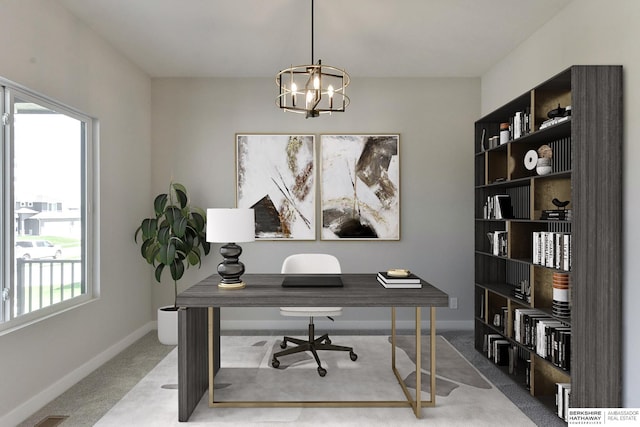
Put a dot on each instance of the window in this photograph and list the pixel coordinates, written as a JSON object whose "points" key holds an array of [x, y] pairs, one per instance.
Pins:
{"points": [[46, 225]]}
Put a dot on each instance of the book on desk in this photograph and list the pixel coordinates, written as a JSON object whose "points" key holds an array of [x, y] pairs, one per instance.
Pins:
{"points": [[396, 282]]}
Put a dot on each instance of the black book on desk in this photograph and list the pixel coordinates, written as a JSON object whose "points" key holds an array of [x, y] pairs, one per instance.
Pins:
{"points": [[390, 281]]}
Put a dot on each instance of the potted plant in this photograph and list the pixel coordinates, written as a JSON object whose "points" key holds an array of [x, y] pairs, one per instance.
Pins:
{"points": [[174, 238]]}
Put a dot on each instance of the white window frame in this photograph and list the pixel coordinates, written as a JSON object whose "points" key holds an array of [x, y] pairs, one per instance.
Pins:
{"points": [[8, 322]]}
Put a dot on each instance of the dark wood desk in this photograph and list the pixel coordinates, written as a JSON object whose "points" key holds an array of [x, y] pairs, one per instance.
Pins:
{"points": [[199, 325]]}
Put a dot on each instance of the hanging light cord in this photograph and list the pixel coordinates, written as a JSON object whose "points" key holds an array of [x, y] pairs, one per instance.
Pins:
{"points": [[312, 56]]}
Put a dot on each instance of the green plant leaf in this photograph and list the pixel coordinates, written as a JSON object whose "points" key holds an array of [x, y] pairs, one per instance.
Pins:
{"points": [[194, 256], [177, 270], [164, 235], [158, 273], [172, 213], [180, 226], [159, 204], [180, 256], [189, 239], [149, 228], [181, 194], [199, 211], [147, 250], [198, 221], [167, 253], [206, 246], [185, 245]]}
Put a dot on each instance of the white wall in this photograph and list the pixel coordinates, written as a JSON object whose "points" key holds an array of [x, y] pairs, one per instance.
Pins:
{"points": [[48, 50], [591, 32], [194, 122]]}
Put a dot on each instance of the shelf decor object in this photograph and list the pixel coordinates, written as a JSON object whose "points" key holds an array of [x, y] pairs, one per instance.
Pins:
{"points": [[312, 89], [554, 284], [230, 226]]}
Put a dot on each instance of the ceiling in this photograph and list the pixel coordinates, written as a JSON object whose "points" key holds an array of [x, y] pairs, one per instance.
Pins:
{"points": [[369, 38]]}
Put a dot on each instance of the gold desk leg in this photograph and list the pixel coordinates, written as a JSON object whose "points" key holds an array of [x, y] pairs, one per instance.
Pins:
{"points": [[417, 408], [393, 338], [418, 403], [432, 347]]}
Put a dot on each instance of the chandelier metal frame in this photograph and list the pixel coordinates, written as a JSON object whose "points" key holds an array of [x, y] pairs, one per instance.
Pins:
{"points": [[312, 89]]}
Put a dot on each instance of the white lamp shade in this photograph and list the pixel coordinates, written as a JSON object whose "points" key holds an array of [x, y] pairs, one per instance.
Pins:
{"points": [[230, 225]]}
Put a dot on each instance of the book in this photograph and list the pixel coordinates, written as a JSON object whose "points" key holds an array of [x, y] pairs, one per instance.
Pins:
{"points": [[499, 207], [400, 285], [501, 352], [503, 208], [488, 343], [566, 247], [566, 402], [411, 278], [562, 399]]}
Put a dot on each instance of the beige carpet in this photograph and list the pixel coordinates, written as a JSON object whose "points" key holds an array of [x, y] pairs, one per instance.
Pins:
{"points": [[464, 396]]}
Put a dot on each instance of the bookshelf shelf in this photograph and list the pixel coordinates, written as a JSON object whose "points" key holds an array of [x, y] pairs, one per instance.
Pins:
{"points": [[534, 253], [525, 180]]}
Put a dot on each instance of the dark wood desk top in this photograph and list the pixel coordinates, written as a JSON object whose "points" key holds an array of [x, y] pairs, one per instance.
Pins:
{"points": [[265, 290]]}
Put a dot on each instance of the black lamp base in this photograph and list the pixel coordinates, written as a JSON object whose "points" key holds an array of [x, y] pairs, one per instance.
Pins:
{"points": [[230, 269]]}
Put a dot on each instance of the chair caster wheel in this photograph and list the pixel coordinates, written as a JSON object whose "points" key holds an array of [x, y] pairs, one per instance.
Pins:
{"points": [[327, 341], [322, 372], [283, 344], [353, 356], [275, 363]]}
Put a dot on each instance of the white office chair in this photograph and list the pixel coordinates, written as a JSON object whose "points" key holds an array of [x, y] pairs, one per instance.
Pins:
{"points": [[311, 264]]}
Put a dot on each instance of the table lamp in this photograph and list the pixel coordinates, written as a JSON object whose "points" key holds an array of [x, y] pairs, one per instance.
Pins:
{"points": [[230, 226]]}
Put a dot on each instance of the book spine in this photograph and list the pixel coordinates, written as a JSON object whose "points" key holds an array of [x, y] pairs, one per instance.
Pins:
{"points": [[557, 263], [567, 252]]}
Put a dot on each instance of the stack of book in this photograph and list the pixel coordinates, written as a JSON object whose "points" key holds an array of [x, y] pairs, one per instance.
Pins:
{"points": [[552, 249], [498, 207], [397, 282], [520, 124], [557, 214], [550, 338], [553, 121]]}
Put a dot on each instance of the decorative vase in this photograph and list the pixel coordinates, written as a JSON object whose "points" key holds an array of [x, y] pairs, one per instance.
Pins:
{"points": [[168, 325], [543, 166]]}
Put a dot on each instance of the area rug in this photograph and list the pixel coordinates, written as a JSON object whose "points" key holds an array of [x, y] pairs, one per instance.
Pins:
{"points": [[464, 397]]}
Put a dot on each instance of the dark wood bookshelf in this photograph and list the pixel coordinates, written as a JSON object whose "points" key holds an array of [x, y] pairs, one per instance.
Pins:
{"points": [[594, 130]]}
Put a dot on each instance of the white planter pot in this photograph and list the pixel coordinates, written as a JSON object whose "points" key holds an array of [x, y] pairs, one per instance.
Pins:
{"points": [[168, 325]]}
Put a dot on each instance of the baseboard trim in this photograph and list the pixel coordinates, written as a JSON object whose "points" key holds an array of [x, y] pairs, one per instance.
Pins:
{"points": [[31, 406]]}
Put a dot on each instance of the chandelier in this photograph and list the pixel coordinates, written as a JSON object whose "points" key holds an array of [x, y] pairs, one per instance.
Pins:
{"points": [[312, 89]]}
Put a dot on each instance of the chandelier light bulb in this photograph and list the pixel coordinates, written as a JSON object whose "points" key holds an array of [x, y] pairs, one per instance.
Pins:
{"points": [[330, 92], [294, 89]]}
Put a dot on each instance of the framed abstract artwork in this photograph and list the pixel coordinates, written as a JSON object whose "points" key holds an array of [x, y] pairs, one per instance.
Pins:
{"points": [[360, 187], [275, 175]]}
